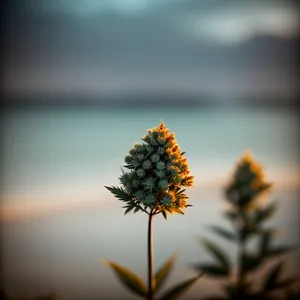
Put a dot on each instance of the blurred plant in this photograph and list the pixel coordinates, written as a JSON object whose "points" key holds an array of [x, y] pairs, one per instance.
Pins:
{"points": [[158, 173], [247, 215]]}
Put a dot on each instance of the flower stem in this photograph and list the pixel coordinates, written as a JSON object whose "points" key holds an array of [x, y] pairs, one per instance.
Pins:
{"points": [[241, 269], [150, 259]]}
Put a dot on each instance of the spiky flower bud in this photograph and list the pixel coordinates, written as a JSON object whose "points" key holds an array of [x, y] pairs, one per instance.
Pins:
{"points": [[163, 183], [154, 157], [128, 159], [149, 182], [160, 165], [247, 185], [139, 148], [158, 173], [135, 163], [147, 164], [140, 172], [161, 150], [140, 157]]}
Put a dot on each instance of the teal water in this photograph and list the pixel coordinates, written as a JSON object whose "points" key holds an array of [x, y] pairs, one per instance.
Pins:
{"points": [[53, 157], [47, 149]]}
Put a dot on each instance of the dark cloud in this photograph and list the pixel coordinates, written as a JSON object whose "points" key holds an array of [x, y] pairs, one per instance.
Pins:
{"points": [[112, 51]]}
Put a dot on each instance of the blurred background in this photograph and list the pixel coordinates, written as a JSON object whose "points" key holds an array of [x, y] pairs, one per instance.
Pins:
{"points": [[84, 79]]}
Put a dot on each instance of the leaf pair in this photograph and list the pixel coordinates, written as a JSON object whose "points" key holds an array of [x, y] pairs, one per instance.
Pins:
{"points": [[222, 267], [136, 285], [273, 282]]}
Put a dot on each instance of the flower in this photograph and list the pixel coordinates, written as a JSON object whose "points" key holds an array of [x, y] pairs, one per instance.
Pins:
{"points": [[163, 183], [140, 172], [149, 183], [166, 199], [128, 159], [147, 164], [160, 165], [140, 157], [149, 199], [158, 174], [160, 150], [248, 184], [154, 157]]}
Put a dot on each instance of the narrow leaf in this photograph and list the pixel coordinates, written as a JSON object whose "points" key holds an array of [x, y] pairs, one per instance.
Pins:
{"points": [[129, 166], [266, 213], [180, 191], [224, 233], [250, 262], [169, 210], [179, 211], [278, 250], [164, 214], [217, 253], [272, 277], [163, 272], [128, 209], [266, 237], [119, 193], [212, 270], [175, 292], [231, 215], [129, 279]]}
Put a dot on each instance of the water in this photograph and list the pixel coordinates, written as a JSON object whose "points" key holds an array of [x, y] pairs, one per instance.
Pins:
{"points": [[58, 220]]}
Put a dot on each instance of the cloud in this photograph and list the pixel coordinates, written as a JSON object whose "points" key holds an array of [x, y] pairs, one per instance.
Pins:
{"points": [[238, 23], [182, 48]]}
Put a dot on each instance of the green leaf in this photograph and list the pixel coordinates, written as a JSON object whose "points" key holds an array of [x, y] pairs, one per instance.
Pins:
{"points": [[212, 270], [163, 272], [272, 277], [179, 191], [178, 210], [272, 282], [175, 292], [231, 215], [217, 253], [119, 193], [169, 209], [164, 214], [266, 213], [129, 208], [129, 279], [247, 231], [278, 250], [224, 233], [265, 242], [250, 262], [129, 166]]}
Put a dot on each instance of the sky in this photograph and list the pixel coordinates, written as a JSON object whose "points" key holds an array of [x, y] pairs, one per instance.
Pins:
{"points": [[111, 47]]}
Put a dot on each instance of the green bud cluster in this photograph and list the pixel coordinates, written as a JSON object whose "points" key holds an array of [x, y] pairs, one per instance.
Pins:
{"points": [[157, 172]]}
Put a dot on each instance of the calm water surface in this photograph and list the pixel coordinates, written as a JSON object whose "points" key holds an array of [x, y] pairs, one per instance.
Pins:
{"points": [[56, 162]]}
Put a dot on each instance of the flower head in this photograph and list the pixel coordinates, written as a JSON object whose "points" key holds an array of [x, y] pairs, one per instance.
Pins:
{"points": [[158, 173], [248, 183]]}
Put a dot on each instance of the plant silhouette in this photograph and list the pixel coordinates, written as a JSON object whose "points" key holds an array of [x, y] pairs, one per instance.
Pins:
{"points": [[158, 174], [248, 214]]}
